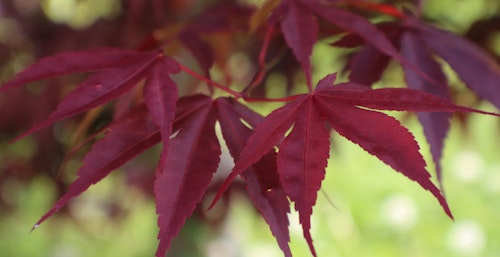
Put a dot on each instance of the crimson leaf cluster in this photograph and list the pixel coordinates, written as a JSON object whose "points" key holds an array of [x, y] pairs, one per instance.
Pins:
{"points": [[281, 157]]}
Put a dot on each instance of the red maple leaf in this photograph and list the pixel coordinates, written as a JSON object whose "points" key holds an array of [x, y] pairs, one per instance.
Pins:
{"points": [[348, 108], [194, 157], [117, 71]]}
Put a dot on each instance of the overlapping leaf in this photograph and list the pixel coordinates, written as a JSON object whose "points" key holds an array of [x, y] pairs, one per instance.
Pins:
{"points": [[193, 157], [418, 42], [263, 185], [461, 55], [368, 64], [300, 28], [437, 124]]}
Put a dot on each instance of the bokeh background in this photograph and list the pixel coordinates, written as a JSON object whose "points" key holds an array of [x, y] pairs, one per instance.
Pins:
{"points": [[364, 208]]}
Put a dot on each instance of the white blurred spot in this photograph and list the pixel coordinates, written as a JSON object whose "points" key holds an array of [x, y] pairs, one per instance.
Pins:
{"points": [[400, 212], [492, 183], [64, 250], [295, 227], [468, 166], [222, 248], [467, 238]]}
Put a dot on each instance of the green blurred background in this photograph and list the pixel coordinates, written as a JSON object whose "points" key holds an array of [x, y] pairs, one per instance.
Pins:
{"points": [[364, 208]]}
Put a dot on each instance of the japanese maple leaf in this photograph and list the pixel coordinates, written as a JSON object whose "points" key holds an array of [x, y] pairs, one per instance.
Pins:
{"points": [[300, 28], [126, 138], [348, 108], [117, 71], [417, 43], [193, 158]]}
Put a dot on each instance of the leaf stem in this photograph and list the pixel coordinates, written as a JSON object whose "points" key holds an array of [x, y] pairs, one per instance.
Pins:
{"points": [[235, 94], [376, 7], [265, 47], [267, 100], [262, 60], [210, 82]]}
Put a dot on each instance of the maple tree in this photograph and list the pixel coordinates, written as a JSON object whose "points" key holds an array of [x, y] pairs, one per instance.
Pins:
{"points": [[282, 156]]}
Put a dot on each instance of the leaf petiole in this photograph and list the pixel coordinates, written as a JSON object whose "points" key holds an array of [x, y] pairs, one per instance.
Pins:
{"points": [[210, 82]]}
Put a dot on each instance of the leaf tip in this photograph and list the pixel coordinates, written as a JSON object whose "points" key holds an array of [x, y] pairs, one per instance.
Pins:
{"points": [[448, 212], [327, 81], [34, 227], [216, 198], [444, 204]]}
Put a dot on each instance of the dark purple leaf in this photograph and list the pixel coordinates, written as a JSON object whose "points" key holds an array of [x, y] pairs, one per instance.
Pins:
{"points": [[435, 124], [476, 68]]}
